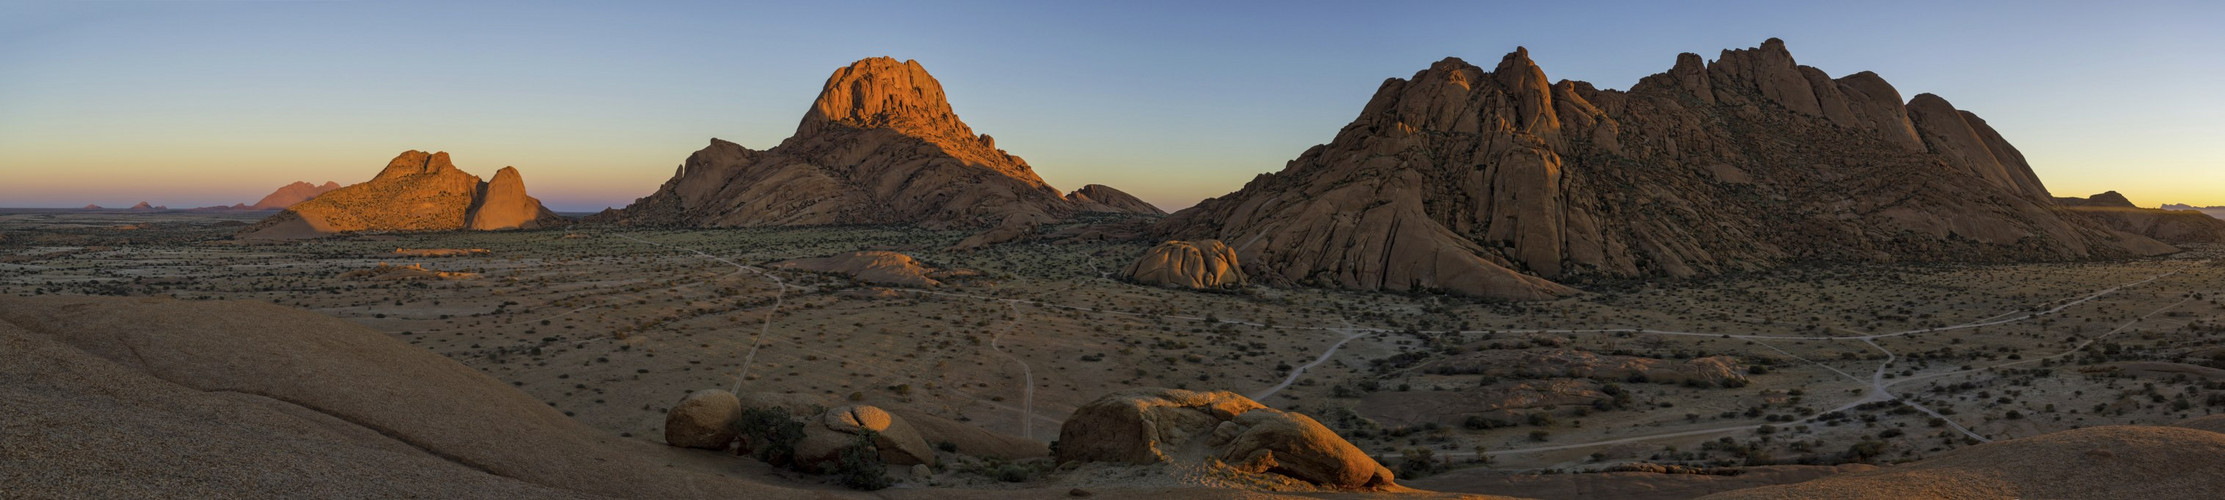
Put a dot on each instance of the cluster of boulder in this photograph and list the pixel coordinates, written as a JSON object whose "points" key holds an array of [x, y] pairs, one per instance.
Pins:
{"points": [[708, 419], [1150, 426], [1197, 265]]}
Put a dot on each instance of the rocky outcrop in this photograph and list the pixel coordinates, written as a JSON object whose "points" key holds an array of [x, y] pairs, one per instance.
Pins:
{"points": [[895, 439], [1497, 183], [704, 419], [145, 207], [1198, 265], [291, 194], [1148, 426], [1103, 198], [2113, 210], [417, 191], [143, 397], [503, 204], [881, 145], [874, 266]]}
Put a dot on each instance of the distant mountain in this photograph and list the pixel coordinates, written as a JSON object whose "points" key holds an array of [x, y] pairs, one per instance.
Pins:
{"points": [[2218, 212], [1103, 198], [1499, 183], [144, 207], [880, 145], [2172, 226], [290, 194], [416, 191]]}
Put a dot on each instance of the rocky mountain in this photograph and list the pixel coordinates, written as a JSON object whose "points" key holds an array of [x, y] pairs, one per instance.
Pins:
{"points": [[1103, 198], [146, 207], [2113, 210], [1498, 182], [417, 191], [290, 194], [881, 145]]}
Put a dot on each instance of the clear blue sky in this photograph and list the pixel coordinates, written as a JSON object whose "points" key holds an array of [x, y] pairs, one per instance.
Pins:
{"points": [[190, 103]]}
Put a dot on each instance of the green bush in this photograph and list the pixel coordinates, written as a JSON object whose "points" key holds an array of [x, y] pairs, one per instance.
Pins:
{"points": [[860, 465], [772, 434]]}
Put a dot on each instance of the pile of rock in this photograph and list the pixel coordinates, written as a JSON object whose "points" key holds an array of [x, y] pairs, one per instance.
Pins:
{"points": [[1148, 426], [1198, 265], [707, 419]]}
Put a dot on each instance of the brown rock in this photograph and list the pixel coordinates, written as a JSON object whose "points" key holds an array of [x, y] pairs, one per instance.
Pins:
{"points": [[1299, 447], [1491, 183], [839, 428], [704, 419], [1146, 426], [503, 204], [417, 191], [1201, 265], [881, 145], [144, 397], [898, 442]]}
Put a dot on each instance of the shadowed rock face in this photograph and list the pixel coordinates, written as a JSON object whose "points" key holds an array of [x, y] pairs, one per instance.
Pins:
{"points": [[881, 145], [1491, 183], [1103, 198], [290, 194], [417, 191]]}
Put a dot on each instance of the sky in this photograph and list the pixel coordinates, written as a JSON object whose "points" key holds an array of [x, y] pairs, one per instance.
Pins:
{"points": [[194, 103]]}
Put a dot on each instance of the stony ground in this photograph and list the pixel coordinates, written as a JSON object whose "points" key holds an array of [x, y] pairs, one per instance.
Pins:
{"points": [[612, 326]]}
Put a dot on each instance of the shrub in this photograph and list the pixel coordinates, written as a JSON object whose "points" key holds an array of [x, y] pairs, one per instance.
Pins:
{"points": [[771, 433], [860, 465]]}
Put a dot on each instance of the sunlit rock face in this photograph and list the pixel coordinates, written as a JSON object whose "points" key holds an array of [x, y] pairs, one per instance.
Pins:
{"points": [[417, 191], [880, 145], [1500, 183]]}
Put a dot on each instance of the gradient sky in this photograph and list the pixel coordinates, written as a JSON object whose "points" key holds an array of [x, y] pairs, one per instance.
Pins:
{"points": [[194, 103]]}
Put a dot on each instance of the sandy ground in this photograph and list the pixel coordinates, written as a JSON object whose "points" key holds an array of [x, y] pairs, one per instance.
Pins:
{"points": [[613, 326]]}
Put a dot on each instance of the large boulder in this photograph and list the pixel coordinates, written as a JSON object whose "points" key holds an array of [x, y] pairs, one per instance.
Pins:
{"points": [[503, 204], [826, 436], [1297, 446], [1201, 265], [1146, 426], [704, 419]]}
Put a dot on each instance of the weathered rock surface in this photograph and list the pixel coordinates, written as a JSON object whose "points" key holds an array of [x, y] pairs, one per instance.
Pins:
{"points": [[1201, 265], [2113, 210], [503, 204], [1146, 426], [291, 194], [827, 434], [881, 145], [144, 397], [417, 191], [871, 266], [704, 419], [1103, 198], [1491, 183]]}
